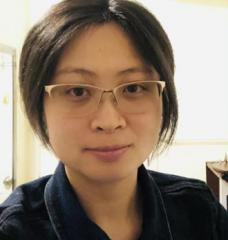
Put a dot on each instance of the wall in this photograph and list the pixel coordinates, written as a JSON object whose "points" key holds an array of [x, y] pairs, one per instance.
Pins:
{"points": [[199, 36], [16, 18], [14, 23]]}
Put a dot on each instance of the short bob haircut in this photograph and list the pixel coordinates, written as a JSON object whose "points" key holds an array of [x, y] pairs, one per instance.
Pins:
{"points": [[47, 39]]}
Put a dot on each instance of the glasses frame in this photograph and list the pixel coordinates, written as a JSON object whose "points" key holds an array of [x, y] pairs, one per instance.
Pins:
{"points": [[48, 88]]}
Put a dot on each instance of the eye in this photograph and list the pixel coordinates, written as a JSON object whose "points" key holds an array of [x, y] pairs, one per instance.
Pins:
{"points": [[134, 88], [78, 93]]}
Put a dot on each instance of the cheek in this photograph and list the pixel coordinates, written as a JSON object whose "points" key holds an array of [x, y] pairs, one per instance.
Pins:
{"points": [[68, 131], [147, 129], [66, 139], [64, 132]]}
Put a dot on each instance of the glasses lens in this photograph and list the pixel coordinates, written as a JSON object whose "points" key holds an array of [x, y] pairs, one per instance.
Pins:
{"points": [[81, 100], [138, 97], [76, 100]]}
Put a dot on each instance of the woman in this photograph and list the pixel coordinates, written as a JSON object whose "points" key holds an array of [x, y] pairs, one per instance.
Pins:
{"points": [[96, 79]]}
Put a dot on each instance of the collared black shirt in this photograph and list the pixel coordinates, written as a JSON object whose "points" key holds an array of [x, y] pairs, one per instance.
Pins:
{"points": [[174, 208]]}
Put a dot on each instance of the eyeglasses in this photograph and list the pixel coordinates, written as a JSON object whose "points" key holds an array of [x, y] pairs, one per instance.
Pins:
{"points": [[80, 100]]}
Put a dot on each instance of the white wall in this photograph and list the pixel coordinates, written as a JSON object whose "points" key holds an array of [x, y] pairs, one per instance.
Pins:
{"points": [[199, 36], [14, 24]]}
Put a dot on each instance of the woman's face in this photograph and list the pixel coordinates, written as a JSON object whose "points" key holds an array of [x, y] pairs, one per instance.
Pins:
{"points": [[106, 145]]}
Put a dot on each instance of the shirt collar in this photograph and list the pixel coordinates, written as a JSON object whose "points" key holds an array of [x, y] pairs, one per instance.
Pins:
{"points": [[69, 219], [155, 220]]}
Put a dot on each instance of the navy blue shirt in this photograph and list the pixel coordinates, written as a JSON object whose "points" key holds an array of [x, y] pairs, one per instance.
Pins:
{"points": [[174, 208]]}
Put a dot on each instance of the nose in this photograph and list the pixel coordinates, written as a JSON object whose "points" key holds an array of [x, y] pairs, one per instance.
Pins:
{"points": [[107, 118]]}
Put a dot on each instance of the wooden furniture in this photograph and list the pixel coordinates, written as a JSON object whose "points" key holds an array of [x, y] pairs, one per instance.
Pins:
{"points": [[214, 173]]}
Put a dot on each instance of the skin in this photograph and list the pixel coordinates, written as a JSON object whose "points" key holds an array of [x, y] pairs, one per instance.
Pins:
{"points": [[107, 189]]}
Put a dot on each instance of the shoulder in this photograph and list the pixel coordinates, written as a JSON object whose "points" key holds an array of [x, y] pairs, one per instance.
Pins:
{"points": [[29, 196], [190, 203], [179, 191], [169, 183], [23, 208]]}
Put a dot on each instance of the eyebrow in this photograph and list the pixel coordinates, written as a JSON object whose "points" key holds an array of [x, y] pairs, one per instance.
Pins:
{"points": [[80, 71], [87, 72], [145, 69]]}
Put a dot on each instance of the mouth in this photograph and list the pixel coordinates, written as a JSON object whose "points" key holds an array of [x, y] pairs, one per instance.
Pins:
{"points": [[108, 153], [108, 148]]}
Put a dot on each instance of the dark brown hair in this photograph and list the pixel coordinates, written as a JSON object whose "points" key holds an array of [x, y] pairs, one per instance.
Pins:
{"points": [[47, 39]]}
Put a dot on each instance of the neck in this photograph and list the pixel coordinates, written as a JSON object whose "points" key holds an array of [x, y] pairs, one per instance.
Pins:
{"points": [[109, 205]]}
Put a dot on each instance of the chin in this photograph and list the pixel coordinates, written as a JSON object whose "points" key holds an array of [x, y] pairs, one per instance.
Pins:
{"points": [[111, 175]]}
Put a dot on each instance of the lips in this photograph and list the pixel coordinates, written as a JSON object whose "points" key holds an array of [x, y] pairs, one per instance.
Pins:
{"points": [[108, 153], [108, 148]]}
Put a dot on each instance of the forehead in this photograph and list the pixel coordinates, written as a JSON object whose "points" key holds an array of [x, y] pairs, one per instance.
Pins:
{"points": [[102, 48]]}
